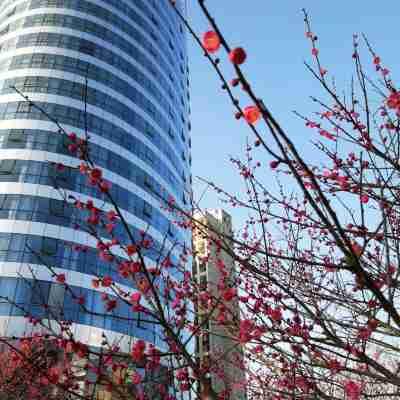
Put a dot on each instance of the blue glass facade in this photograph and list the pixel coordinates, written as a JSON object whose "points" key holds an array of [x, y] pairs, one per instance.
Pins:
{"points": [[133, 55]]}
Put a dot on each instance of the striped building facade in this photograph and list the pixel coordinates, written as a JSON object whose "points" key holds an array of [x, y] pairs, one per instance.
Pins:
{"points": [[126, 62]]}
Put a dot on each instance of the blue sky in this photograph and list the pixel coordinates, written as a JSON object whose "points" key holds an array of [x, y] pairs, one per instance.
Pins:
{"points": [[273, 34]]}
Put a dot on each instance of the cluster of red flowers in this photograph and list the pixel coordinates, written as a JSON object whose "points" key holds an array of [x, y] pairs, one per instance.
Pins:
{"points": [[212, 43], [393, 102]]}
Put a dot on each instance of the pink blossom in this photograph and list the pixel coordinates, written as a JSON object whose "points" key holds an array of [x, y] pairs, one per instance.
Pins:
{"points": [[353, 390]]}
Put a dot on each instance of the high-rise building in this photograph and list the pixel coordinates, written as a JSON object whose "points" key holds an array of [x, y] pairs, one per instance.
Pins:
{"points": [[125, 62], [217, 347]]}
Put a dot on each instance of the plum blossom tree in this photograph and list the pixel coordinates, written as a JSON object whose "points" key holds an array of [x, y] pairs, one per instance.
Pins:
{"points": [[318, 264], [317, 260], [33, 368]]}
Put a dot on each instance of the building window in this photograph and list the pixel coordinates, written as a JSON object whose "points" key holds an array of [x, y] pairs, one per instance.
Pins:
{"points": [[170, 231], [5, 30], [12, 12], [56, 296], [147, 182], [203, 267], [201, 247], [203, 282], [49, 246], [87, 48], [24, 107], [7, 166], [206, 342], [147, 210], [149, 131], [16, 137], [56, 207]]}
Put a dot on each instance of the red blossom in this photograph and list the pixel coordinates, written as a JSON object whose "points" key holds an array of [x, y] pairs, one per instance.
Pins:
{"points": [[131, 249], [135, 267], [110, 227], [238, 56], [353, 390], [230, 294], [211, 41], [104, 186], [235, 82], [93, 219], [112, 216], [364, 198], [314, 52], [72, 136], [60, 278], [393, 100], [252, 114], [107, 281], [83, 168], [96, 174], [95, 283], [138, 350], [136, 378], [72, 148], [135, 297], [106, 256], [274, 164], [146, 243], [111, 305]]}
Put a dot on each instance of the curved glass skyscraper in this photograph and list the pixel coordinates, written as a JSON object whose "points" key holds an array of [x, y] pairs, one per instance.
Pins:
{"points": [[132, 55]]}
